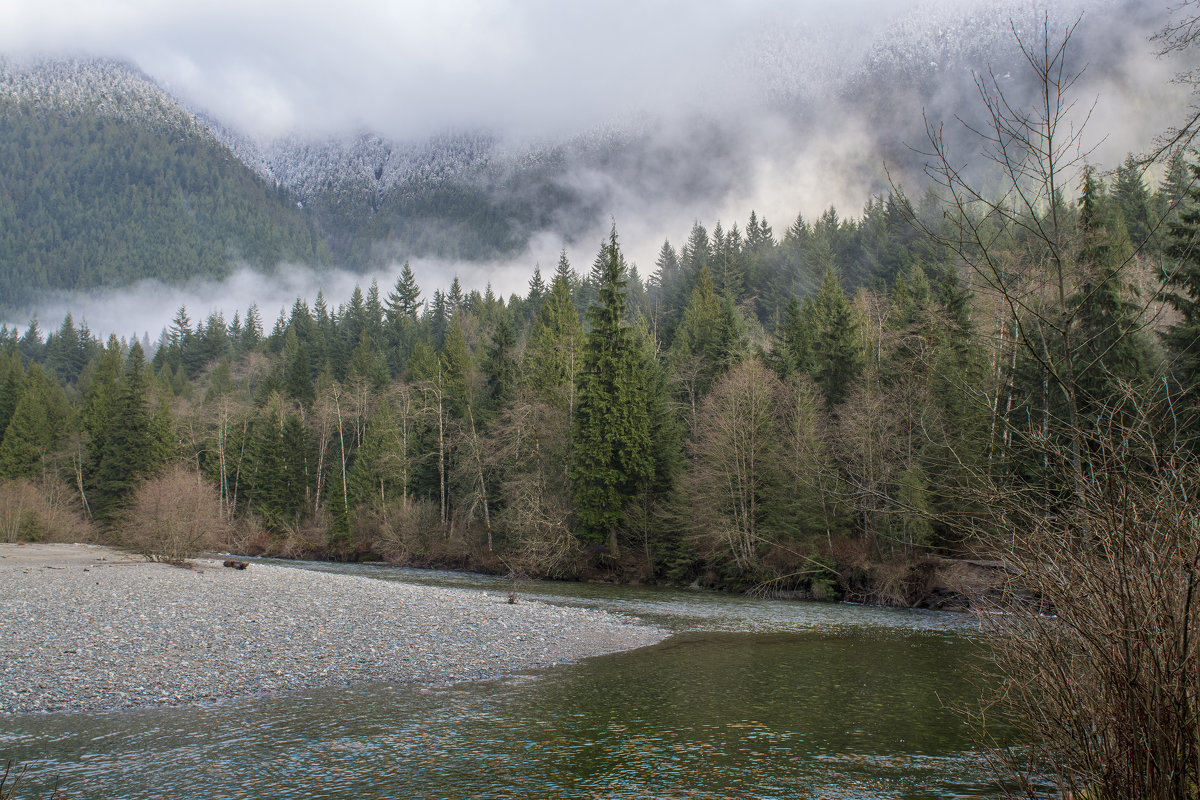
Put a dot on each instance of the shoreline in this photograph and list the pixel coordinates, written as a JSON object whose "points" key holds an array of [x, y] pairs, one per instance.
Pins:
{"points": [[89, 628]]}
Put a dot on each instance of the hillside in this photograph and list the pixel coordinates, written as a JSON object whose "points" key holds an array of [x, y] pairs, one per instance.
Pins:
{"points": [[110, 179], [107, 181]]}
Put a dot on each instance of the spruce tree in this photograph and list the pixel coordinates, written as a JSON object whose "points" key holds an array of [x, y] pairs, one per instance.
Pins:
{"points": [[132, 447], [38, 421], [404, 300], [554, 355], [836, 354], [611, 434]]}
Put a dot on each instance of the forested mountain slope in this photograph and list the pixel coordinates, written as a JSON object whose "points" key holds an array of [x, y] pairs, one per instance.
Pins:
{"points": [[107, 181]]}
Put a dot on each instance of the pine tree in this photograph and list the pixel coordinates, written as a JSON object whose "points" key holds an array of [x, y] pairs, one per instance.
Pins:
{"points": [[836, 354], [554, 355], [132, 443], [1181, 276], [37, 423], [611, 434]]}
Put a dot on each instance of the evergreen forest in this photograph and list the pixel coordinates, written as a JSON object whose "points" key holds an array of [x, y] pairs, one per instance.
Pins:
{"points": [[90, 199], [808, 411]]}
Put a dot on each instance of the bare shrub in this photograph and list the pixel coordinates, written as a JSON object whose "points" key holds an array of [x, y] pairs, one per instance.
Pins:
{"points": [[308, 538], [401, 531], [173, 517], [41, 511], [1102, 672], [13, 778]]}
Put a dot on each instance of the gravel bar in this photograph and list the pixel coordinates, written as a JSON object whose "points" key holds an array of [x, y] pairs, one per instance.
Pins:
{"points": [[97, 629]]}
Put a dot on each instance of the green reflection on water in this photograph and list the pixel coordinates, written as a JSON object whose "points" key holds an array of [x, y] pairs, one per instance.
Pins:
{"points": [[846, 708]]}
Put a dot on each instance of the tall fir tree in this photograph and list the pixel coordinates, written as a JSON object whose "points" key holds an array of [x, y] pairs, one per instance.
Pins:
{"points": [[554, 355], [611, 434], [38, 422], [133, 448], [836, 353]]}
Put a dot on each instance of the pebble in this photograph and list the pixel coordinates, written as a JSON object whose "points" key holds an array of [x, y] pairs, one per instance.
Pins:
{"points": [[150, 634]]}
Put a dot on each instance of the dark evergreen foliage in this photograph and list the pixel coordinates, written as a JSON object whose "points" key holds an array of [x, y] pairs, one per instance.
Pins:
{"points": [[90, 200]]}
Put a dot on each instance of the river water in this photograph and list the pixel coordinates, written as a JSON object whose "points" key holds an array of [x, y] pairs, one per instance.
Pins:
{"points": [[749, 699]]}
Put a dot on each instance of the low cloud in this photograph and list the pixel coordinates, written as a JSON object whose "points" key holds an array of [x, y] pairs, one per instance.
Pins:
{"points": [[780, 107]]}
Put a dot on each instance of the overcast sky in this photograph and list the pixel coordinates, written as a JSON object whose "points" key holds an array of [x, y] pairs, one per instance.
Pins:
{"points": [[526, 67], [543, 69]]}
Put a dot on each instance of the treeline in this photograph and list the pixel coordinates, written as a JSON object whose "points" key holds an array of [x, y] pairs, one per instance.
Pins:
{"points": [[802, 412], [90, 200]]}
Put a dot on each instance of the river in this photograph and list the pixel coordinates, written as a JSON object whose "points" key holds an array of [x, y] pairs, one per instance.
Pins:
{"points": [[749, 698]]}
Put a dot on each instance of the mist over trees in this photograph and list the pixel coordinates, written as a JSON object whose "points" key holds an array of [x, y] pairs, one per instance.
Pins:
{"points": [[92, 200], [776, 410]]}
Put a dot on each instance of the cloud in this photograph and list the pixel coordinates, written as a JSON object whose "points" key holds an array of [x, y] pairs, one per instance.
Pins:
{"points": [[781, 106], [520, 67]]}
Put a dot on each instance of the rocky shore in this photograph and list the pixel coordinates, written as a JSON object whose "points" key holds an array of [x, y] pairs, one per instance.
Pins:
{"points": [[88, 628]]}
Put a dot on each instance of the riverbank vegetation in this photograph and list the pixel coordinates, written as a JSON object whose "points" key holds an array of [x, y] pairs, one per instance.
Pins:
{"points": [[1006, 377], [799, 413]]}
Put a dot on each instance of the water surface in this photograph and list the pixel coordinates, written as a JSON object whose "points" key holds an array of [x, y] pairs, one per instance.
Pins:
{"points": [[750, 698]]}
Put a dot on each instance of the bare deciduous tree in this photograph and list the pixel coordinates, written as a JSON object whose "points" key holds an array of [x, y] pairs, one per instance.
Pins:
{"points": [[732, 461], [173, 517], [42, 510], [1096, 643]]}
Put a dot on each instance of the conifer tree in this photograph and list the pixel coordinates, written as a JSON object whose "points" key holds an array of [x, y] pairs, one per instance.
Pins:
{"points": [[706, 342], [30, 345], [12, 374], [836, 355], [1133, 200], [1181, 276], [38, 421], [554, 355], [1112, 350], [500, 365], [132, 443], [611, 434], [267, 484], [377, 475], [404, 300], [537, 287], [791, 345], [252, 331]]}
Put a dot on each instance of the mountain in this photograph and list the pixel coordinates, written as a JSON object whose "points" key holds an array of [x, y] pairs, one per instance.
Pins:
{"points": [[108, 181]]}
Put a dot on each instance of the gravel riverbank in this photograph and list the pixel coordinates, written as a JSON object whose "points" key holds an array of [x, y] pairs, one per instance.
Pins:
{"points": [[89, 628]]}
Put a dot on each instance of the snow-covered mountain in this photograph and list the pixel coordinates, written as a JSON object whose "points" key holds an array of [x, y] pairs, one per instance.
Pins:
{"points": [[815, 121]]}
